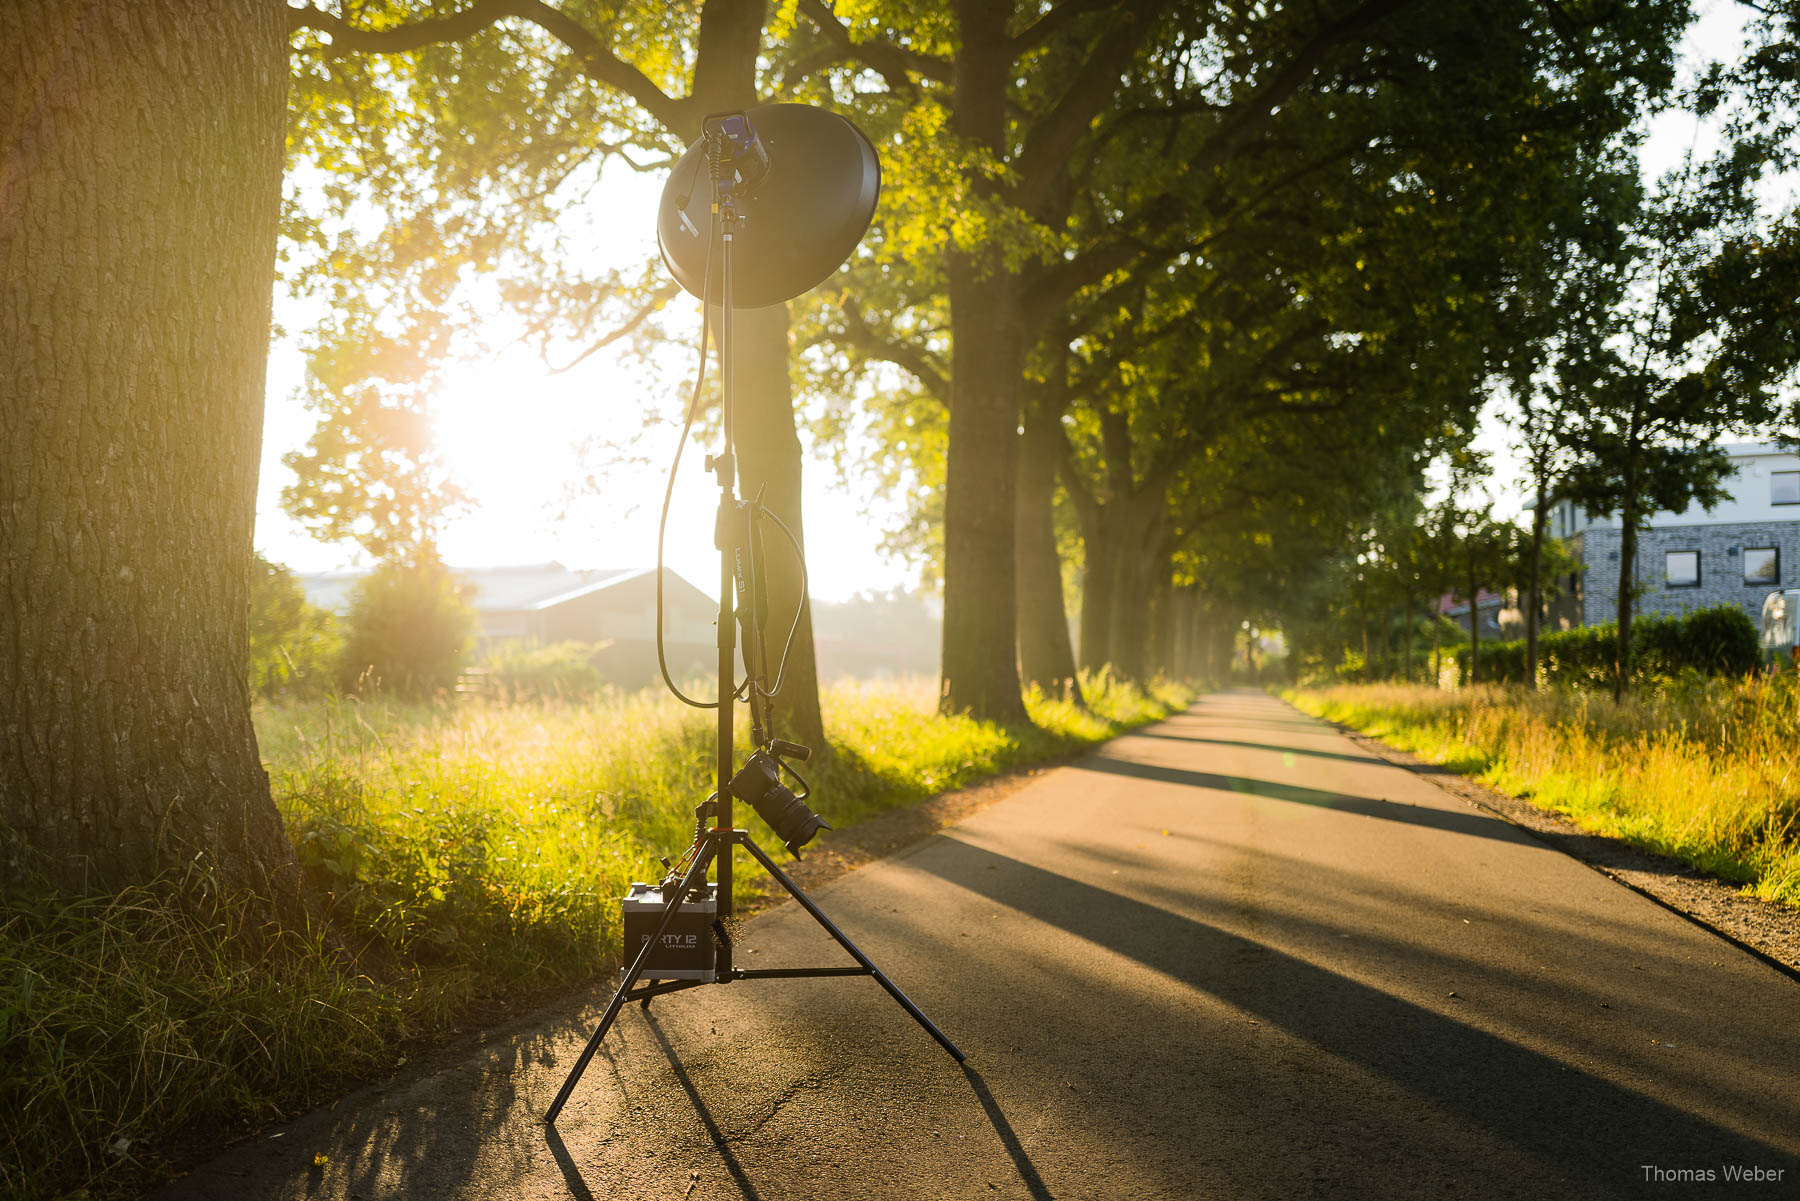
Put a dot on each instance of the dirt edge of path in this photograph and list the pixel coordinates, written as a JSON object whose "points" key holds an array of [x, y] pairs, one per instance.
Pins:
{"points": [[1770, 932]]}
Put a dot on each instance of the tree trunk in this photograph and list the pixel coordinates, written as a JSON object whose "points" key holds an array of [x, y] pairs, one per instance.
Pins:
{"points": [[768, 446], [1223, 641], [1534, 587], [980, 667], [138, 212], [1130, 635], [1135, 530], [1411, 611], [1046, 657], [987, 363], [1099, 575], [1362, 613], [1437, 652], [1627, 564], [1158, 659], [770, 461], [1474, 622]]}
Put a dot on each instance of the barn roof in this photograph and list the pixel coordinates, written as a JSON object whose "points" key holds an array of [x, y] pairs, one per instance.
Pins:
{"points": [[491, 589]]}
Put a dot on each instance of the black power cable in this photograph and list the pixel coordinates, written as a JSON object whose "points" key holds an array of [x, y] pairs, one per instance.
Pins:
{"points": [[662, 524], [749, 687]]}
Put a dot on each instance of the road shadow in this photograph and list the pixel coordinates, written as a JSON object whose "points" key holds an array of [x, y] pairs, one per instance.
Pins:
{"points": [[578, 1188], [1583, 1129], [1194, 740], [720, 1142], [1028, 1173], [419, 1137], [1464, 822], [576, 1182]]}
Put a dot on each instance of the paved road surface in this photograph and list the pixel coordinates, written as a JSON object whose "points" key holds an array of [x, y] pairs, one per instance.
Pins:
{"points": [[1229, 956]]}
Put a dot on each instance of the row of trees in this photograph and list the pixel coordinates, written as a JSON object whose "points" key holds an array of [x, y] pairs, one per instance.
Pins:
{"points": [[1174, 297], [1176, 293]]}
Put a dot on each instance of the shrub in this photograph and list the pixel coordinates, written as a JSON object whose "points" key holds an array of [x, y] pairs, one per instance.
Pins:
{"points": [[1720, 641], [410, 631], [560, 671], [294, 646]]}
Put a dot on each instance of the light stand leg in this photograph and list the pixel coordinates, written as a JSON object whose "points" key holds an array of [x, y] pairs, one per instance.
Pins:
{"points": [[694, 874], [843, 941]]}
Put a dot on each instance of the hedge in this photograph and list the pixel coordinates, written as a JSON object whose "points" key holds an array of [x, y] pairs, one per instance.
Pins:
{"points": [[1721, 641]]}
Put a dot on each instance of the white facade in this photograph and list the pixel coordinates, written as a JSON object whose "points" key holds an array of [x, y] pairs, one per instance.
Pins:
{"points": [[1764, 472], [1734, 554]]}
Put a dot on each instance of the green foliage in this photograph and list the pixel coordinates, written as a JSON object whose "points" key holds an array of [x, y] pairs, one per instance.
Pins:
{"points": [[1702, 772], [408, 631], [1720, 641], [369, 474], [124, 1018], [562, 670], [471, 854], [294, 646]]}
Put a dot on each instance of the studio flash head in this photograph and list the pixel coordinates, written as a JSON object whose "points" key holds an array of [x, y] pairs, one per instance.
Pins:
{"points": [[759, 782]]}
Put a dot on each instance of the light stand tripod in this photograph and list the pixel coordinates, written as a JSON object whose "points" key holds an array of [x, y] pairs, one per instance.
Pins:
{"points": [[737, 535]]}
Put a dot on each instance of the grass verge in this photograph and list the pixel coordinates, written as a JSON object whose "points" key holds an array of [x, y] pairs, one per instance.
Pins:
{"points": [[1706, 772], [466, 856]]}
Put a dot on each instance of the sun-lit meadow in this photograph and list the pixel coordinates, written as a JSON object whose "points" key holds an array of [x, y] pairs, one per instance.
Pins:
{"points": [[1705, 771], [466, 858]]}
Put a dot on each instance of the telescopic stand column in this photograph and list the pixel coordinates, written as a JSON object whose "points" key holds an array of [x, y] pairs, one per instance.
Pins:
{"points": [[740, 573]]}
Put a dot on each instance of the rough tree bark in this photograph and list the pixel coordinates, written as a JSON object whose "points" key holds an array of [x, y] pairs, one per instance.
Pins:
{"points": [[980, 671], [1046, 657], [1159, 645], [140, 185], [768, 444], [770, 462], [1136, 567], [1100, 571], [1628, 539], [1534, 587]]}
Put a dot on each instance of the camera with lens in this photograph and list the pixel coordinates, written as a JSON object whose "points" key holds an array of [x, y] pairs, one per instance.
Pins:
{"points": [[759, 783]]}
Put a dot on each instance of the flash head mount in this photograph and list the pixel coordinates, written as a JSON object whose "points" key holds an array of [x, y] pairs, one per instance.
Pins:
{"points": [[802, 202]]}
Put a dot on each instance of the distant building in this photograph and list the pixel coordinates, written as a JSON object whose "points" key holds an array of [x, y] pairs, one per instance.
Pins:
{"points": [[548, 603], [1499, 615], [1745, 548]]}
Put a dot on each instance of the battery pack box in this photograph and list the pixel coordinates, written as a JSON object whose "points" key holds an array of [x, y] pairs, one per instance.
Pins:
{"points": [[687, 945]]}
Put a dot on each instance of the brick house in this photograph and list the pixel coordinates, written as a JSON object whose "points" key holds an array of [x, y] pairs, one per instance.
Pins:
{"points": [[1745, 548]]}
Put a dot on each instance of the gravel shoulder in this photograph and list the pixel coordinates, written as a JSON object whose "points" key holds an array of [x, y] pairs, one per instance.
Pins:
{"points": [[1765, 929]]}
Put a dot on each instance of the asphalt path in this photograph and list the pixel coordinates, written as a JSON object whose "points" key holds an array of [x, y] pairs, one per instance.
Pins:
{"points": [[1228, 956]]}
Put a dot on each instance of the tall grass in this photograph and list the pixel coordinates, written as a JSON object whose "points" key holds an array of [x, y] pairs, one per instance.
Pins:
{"points": [[1705, 771], [463, 855]]}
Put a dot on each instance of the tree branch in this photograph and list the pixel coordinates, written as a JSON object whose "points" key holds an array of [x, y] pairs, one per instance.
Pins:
{"points": [[1290, 79], [886, 58], [1051, 287], [1051, 24], [1054, 136], [653, 304], [914, 360], [596, 59]]}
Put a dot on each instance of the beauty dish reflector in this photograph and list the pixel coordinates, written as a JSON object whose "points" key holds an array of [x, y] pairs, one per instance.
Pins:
{"points": [[801, 220]]}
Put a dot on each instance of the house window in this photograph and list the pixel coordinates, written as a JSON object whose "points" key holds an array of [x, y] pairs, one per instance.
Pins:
{"points": [[1681, 569], [1762, 565], [1784, 487]]}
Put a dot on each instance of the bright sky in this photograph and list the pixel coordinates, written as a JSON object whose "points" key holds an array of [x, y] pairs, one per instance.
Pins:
{"points": [[511, 429], [1716, 34]]}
